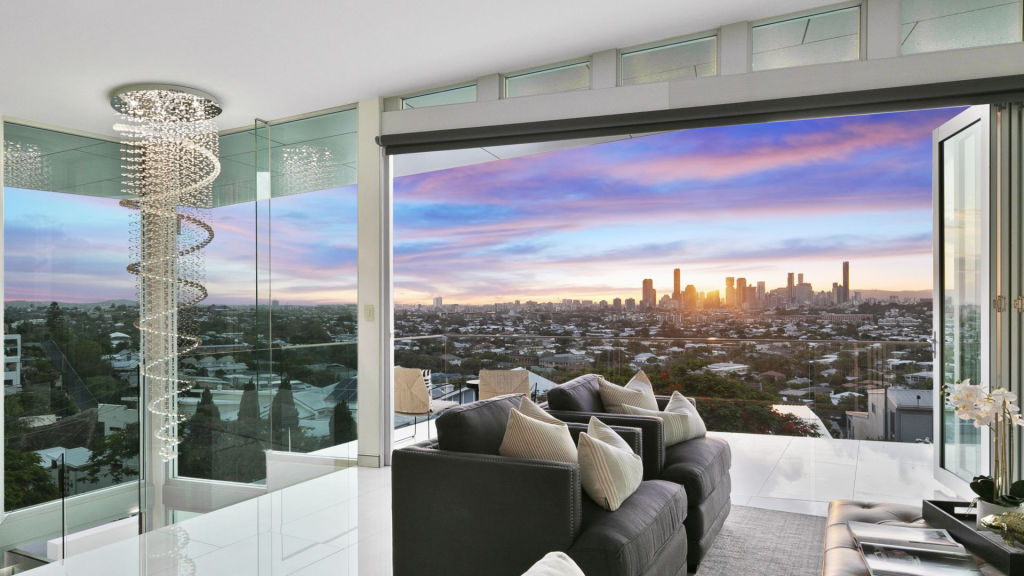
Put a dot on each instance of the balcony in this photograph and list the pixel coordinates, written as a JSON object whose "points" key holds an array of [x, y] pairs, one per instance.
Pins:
{"points": [[867, 385]]}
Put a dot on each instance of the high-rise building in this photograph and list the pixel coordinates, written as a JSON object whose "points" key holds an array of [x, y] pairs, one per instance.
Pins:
{"points": [[800, 278], [761, 296], [617, 303], [690, 297], [730, 291], [648, 297], [630, 303], [741, 292], [846, 282], [437, 302], [675, 285], [790, 288]]}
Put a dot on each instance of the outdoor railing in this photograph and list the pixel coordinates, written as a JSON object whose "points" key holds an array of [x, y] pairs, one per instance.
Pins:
{"points": [[842, 388]]}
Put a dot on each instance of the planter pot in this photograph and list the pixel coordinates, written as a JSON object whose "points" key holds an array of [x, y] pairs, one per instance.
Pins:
{"points": [[986, 508]]}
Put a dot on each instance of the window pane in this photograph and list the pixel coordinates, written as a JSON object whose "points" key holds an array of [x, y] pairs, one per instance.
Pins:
{"points": [[459, 95], [829, 37], [930, 25], [690, 59], [561, 79]]}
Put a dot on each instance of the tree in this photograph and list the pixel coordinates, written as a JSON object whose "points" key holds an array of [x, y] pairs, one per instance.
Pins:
{"points": [[284, 417], [249, 406], [26, 481], [56, 323], [112, 456], [343, 426], [199, 438]]}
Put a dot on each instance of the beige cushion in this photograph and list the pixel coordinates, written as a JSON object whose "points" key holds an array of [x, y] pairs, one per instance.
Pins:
{"points": [[527, 437], [680, 404], [637, 393], [680, 418], [609, 469], [528, 408], [641, 382], [554, 564]]}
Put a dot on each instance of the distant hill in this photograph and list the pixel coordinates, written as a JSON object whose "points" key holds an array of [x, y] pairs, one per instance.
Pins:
{"points": [[886, 294], [105, 303]]}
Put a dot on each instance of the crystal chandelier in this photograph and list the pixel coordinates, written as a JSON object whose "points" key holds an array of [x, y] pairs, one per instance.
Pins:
{"points": [[169, 152]]}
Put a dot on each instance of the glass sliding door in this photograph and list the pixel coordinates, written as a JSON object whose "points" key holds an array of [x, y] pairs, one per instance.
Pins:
{"points": [[962, 247]]}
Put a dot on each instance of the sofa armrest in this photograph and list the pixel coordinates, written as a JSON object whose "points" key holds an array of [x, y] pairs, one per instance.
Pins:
{"points": [[651, 428], [468, 514], [632, 436]]}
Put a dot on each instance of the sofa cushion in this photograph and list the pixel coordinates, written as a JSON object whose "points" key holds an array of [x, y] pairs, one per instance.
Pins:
{"points": [[700, 465], [609, 469], [478, 427], [554, 564], [617, 399], [527, 437], [625, 542], [528, 408], [577, 395]]}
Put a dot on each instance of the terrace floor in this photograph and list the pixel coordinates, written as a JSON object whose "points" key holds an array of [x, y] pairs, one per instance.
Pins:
{"points": [[340, 523]]}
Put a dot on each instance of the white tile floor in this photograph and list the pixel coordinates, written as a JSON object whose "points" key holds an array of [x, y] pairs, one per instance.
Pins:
{"points": [[340, 524]]}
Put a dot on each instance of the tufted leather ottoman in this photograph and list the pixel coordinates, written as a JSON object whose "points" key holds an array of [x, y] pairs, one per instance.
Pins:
{"points": [[841, 557]]}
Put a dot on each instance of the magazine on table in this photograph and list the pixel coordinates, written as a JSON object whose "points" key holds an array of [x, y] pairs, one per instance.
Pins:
{"points": [[906, 537], [890, 561]]}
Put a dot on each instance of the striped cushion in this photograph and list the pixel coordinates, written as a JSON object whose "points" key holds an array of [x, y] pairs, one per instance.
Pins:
{"points": [[640, 382], [609, 470], [680, 404], [680, 419], [527, 437], [554, 564], [636, 393], [528, 408]]}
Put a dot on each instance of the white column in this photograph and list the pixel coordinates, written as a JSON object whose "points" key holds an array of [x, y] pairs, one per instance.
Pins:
{"points": [[604, 69], [883, 28], [488, 88], [3, 512], [734, 49], [374, 292]]}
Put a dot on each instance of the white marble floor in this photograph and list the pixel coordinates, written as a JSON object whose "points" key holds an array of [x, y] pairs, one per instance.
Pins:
{"points": [[340, 524]]}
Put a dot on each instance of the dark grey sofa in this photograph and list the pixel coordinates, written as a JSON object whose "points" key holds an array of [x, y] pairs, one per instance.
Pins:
{"points": [[700, 465], [458, 508]]}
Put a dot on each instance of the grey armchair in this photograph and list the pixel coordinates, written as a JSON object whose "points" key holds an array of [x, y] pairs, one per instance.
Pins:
{"points": [[700, 465], [460, 509]]}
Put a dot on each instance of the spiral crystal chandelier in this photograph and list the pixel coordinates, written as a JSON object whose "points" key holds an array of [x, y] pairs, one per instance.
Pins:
{"points": [[169, 152]]}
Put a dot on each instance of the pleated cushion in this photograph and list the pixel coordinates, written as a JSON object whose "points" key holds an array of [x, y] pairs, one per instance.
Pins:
{"points": [[609, 470], [527, 437]]}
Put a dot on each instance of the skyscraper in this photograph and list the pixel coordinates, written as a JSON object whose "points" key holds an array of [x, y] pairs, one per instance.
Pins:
{"points": [[648, 299], [741, 292], [730, 291], [675, 285], [800, 278], [846, 282], [790, 288]]}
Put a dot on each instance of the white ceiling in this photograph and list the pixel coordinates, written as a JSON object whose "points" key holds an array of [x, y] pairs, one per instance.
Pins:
{"points": [[278, 58]]}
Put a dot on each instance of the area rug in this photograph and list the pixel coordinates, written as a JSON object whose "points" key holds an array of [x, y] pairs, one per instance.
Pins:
{"points": [[754, 541]]}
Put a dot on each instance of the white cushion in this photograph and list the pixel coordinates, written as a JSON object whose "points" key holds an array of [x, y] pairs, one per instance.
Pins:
{"points": [[527, 437], [641, 382], [681, 423], [609, 471], [636, 393], [680, 404], [554, 564], [528, 408]]}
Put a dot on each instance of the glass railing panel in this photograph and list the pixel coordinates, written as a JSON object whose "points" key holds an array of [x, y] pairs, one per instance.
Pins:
{"points": [[865, 390]]}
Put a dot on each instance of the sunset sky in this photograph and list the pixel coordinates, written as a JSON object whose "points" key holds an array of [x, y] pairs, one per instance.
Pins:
{"points": [[752, 201]]}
